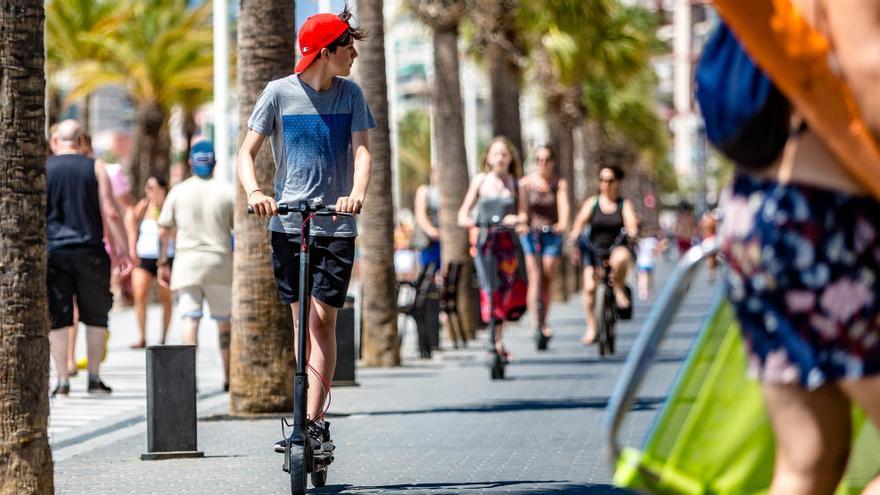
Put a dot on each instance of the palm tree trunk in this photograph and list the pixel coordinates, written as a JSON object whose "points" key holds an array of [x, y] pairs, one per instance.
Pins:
{"points": [[26, 465], [262, 358], [85, 116], [505, 74], [189, 130], [446, 106], [148, 158], [504, 78], [381, 345]]}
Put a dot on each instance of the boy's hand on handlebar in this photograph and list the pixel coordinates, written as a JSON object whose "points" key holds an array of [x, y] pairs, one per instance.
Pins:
{"points": [[263, 205], [465, 223], [510, 220], [348, 204]]}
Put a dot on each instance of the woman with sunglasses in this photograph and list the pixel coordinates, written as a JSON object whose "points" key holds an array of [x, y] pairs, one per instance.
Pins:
{"points": [[607, 215], [143, 239], [544, 202]]}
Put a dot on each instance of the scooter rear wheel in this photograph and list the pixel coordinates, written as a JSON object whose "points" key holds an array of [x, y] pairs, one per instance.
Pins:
{"points": [[497, 368], [319, 478], [298, 467]]}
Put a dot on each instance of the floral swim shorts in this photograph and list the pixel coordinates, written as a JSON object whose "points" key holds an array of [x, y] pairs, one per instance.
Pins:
{"points": [[804, 280]]}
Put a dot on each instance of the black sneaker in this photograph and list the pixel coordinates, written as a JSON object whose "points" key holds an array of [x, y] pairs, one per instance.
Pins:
{"points": [[61, 389], [318, 433], [99, 387]]}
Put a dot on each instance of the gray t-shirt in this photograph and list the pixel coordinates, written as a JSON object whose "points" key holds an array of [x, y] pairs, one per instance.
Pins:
{"points": [[311, 138]]}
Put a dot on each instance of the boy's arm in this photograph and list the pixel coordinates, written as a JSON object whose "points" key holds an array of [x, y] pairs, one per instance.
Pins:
{"points": [[363, 163], [262, 204]]}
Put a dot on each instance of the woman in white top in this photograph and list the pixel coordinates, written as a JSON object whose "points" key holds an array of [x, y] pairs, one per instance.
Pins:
{"points": [[143, 239]]}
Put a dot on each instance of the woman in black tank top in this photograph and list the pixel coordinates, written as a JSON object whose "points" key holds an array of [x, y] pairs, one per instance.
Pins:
{"points": [[607, 214]]}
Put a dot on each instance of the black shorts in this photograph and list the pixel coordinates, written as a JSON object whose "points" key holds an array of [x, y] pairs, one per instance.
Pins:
{"points": [[149, 264], [83, 272], [330, 262]]}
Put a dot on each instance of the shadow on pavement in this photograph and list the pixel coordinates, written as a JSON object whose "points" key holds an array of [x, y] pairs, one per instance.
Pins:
{"points": [[512, 487], [640, 404], [562, 376]]}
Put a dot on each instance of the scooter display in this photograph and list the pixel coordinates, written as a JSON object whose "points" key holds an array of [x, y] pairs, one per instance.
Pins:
{"points": [[300, 459]]}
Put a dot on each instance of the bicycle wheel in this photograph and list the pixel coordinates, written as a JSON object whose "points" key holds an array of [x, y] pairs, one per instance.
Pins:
{"points": [[601, 322], [298, 467], [610, 324]]}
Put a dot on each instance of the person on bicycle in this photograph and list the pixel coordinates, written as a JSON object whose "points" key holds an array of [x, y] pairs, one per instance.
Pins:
{"points": [[493, 192], [317, 121], [608, 215], [544, 202]]}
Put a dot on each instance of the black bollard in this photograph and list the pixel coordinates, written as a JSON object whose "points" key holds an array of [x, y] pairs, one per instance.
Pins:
{"points": [[431, 315], [346, 354], [171, 402]]}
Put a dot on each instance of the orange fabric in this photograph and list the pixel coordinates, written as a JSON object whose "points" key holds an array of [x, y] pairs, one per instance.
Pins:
{"points": [[795, 56]]}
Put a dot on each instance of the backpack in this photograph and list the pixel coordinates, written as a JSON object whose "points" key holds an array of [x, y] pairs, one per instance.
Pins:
{"points": [[746, 116]]}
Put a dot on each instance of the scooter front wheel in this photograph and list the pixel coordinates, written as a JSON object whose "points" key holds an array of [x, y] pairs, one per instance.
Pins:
{"points": [[298, 467]]}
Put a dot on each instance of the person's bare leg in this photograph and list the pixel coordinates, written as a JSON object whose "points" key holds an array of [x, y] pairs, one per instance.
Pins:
{"points": [[643, 285], [95, 339], [71, 347], [619, 262], [812, 431], [58, 346], [532, 294], [866, 393], [550, 264], [190, 332], [165, 298], [320, 350], [140, 285], [589, 297], [71, 342], [224, 336]]}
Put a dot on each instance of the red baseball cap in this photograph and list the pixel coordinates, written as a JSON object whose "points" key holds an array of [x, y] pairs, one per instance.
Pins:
{"points": [[316, 33]]}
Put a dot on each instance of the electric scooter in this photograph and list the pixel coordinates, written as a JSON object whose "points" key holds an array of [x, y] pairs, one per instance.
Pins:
{"points": [[299, 458], [496, 362]]}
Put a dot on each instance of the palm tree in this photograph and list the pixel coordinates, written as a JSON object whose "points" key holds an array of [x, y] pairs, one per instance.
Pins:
{"points": [[443, 17], [24, 344], [381, 345], [68, 25], [159, 50], [262, 358], [498, 31]]}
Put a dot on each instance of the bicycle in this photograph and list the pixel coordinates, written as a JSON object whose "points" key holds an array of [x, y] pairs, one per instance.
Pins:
{"points": [[299, 458], [606, 309]]}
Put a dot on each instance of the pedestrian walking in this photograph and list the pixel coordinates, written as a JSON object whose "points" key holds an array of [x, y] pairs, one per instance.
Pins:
{"points": [[650, 246], [318, 123], [801, 233], [544, 202], [143, 240], [79, 206], [427, 212], [198, 217]]}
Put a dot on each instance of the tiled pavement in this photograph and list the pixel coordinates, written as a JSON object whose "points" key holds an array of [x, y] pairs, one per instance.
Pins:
{"points": [[434, 427]]}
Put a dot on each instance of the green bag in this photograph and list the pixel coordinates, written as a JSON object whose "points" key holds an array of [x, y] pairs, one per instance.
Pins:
{"points": [[713, 435]]}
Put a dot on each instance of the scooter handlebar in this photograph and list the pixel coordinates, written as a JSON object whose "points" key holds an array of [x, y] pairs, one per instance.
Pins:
{"points": [[319, 210]]}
